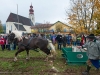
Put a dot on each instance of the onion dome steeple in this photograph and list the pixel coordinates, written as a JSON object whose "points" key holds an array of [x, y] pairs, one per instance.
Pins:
{"points": [[31, 11], [31, 14]]}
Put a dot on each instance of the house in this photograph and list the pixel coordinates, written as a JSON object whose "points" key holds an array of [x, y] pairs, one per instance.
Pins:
{"points": [[60, 26], [17, 22], [56, 27], [41, 28]]}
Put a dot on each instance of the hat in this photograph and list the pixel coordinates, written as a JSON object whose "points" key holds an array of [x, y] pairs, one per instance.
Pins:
{"points": [[91, 36]]}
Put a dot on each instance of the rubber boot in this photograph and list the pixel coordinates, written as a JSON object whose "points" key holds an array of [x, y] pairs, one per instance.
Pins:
{"points": [[87, 71]]}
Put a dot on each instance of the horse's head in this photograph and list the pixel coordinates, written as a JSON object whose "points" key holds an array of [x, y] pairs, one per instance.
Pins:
{"points": [[11, 37], [52, 51]]}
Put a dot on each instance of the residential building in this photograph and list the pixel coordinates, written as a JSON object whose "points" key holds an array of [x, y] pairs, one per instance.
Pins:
{"points": [[47, 28]]}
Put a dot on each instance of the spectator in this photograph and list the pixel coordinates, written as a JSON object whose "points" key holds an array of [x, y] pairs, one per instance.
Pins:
{"points": [[7, 44], [11, 46], [64, 40], [74, 39], [48, 36], [69, 39], [53, 36], [83, 40], [78, 40], [39, 35], [59, 40], [2, 42], [15, 43]]}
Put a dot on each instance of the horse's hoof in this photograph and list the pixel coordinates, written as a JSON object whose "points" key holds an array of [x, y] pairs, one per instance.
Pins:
{"points": [[54, 69], [15, 60], [27, 59], [45, 60], [50, 56]]}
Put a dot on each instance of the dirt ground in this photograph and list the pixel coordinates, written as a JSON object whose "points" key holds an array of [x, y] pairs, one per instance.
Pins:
{"points": [[68, 71]]}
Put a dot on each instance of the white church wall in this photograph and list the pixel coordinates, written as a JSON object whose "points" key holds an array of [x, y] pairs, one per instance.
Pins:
{"points": [[28, 28], [10, 26]]}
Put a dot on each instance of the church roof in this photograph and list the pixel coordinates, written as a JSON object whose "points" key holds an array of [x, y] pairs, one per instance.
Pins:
{"points": [[14, 18], [19, 27]]}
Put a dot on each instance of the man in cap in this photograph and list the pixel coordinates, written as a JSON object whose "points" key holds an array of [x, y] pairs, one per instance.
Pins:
{"points": [[93, 53]]}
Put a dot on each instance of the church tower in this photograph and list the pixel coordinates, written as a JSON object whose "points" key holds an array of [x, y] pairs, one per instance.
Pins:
{"points": [[31, 14]]}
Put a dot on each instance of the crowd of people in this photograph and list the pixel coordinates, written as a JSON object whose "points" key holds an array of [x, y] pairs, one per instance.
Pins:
{"points": [[61, 39], [65, 40]]}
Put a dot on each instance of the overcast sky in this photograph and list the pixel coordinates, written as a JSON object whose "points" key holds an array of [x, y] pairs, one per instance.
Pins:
{"points": [[44, 10]]}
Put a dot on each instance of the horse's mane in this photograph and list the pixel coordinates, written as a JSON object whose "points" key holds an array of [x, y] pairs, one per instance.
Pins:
{"points": [[18, 34]]}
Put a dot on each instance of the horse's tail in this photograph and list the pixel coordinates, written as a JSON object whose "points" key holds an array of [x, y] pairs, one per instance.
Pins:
{"points": [[53, 51]]}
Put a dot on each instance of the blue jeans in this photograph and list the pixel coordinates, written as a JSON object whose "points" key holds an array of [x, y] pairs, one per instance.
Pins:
{"points": [[59, 46], [95, 63], [74, 43], [78, 43], [8, 47], [11, 46], [14, 46]]}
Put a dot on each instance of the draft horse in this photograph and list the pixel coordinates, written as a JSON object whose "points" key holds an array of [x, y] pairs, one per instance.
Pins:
{"points": [[32, 44]]}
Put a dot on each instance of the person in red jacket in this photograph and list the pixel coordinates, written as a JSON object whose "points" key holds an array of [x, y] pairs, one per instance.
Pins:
{"points": [[83, 40], [2, 42]]}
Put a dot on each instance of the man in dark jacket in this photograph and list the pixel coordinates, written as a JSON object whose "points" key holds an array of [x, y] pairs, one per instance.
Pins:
{"points": [[64, 40], [59, 40]]}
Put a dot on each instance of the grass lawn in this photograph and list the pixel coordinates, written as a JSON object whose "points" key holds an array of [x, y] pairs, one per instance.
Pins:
{"points": [[36, 65]]}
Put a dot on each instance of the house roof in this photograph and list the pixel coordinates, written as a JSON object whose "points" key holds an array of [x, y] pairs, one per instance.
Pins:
{"points": [[14, 18], [42, 26], [46, 25], [19, 27], [62, 23]]}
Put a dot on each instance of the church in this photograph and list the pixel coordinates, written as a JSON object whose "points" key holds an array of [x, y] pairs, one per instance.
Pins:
{"points": [[20, 23], [23, 24]]}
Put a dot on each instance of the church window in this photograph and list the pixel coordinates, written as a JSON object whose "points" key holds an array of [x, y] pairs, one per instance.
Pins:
{"points": [[11, 27]]}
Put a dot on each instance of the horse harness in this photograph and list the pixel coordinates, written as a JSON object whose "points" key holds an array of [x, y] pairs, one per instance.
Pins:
{"points": [[26, 45]]}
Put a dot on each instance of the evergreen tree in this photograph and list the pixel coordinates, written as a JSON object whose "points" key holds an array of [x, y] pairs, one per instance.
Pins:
{"points": [[1, 27]]}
